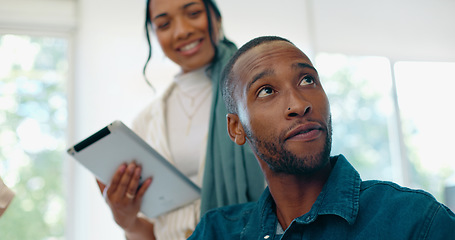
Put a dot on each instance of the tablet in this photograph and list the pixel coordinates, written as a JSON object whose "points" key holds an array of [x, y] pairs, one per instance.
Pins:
{"points": [[104, 151]]}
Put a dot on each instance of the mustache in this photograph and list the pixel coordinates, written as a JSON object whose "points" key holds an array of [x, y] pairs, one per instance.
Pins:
{"points": [[324, 125]]}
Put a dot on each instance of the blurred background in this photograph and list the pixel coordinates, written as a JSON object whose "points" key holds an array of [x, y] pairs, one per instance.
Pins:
{"points": [[70, 67]]}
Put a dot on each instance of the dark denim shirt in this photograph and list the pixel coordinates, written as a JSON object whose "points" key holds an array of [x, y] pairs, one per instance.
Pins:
{"points": [[346, 208]]}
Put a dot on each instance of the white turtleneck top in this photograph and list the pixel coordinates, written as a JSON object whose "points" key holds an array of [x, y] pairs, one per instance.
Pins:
{"points": [[187, 117]]}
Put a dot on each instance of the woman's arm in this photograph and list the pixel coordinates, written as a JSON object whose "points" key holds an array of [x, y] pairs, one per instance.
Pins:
{"points": [[141, 230]]}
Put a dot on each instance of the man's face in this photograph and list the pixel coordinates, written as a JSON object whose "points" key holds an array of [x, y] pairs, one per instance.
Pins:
{"points": [[283, 108]]}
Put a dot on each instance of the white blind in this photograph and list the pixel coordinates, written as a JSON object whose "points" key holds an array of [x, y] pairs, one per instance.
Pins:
{"points": [[38, 15]]}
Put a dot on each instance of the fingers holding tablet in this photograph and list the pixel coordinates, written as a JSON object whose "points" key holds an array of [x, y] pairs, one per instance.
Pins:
{"points": [[124, 183]]}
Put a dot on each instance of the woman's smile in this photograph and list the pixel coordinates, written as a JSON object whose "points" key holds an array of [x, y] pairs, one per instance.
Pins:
{"points": [[190, 48]]}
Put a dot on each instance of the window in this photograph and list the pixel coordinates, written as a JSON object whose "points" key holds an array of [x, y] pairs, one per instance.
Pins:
{"points": [[425, 99], [373, 114], [358, 90], [33, 119]]}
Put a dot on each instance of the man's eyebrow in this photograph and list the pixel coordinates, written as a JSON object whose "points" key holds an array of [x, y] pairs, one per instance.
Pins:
{"points": [[303, 65], [183, 7], [258, 76]]}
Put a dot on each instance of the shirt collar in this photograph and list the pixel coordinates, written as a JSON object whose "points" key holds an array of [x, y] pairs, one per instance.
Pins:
{"points": [[339, 196], [341, 193]]}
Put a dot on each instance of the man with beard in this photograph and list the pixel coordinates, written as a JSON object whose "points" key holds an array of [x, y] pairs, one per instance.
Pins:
{"points": [[276, 103]]}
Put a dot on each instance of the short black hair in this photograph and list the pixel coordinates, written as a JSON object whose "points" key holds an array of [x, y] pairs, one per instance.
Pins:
{"points": [[227, 76]]}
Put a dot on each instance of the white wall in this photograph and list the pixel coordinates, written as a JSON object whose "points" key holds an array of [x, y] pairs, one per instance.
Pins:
{"points": [[109, 52], [401, 30], [245, 20]]}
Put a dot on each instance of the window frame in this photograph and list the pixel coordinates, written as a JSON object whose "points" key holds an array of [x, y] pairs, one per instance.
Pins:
{"points": [[55, 19]]}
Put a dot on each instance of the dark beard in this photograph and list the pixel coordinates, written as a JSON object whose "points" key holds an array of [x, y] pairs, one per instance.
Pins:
{"points": [[281, 160]]}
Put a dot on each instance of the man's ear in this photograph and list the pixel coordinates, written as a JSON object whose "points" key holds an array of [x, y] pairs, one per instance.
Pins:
{"points": [[235, 129]]}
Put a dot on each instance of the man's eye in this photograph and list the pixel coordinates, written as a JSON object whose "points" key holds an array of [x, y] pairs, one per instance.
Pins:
{"points": [[307, 80], [266, 91]]}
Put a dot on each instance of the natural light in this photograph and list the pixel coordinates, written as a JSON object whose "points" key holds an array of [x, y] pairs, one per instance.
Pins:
{"points": [[33, 75], [361, 93]]}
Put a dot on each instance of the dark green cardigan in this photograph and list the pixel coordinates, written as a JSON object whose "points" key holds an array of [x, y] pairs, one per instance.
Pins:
{"points": [[232, 174]]}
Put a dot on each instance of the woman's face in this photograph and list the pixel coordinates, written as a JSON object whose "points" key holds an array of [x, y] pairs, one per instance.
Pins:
{"points": [[181, 27]]}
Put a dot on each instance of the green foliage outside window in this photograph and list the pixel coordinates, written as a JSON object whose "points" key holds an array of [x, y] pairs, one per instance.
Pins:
{"points": [[360, 111], [360, 94], [33, 116]]}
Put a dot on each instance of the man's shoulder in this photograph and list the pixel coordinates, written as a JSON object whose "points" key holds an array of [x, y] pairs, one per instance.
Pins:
{"points": [[414, 212], [391, 189], [232, 212], [391, 198], [226, 222]]}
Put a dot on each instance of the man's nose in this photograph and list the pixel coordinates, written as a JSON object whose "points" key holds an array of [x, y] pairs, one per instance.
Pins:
{"points": [[297, 105]]}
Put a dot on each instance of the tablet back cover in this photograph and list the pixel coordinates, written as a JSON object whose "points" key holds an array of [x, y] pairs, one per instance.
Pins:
{"points": [[103, 152]]}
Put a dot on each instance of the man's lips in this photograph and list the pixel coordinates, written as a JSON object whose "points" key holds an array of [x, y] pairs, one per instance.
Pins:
{"points": [[304, 132]]}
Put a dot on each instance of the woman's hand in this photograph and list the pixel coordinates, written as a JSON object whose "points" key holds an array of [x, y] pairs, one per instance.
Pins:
{"points": [[123, 196]]}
